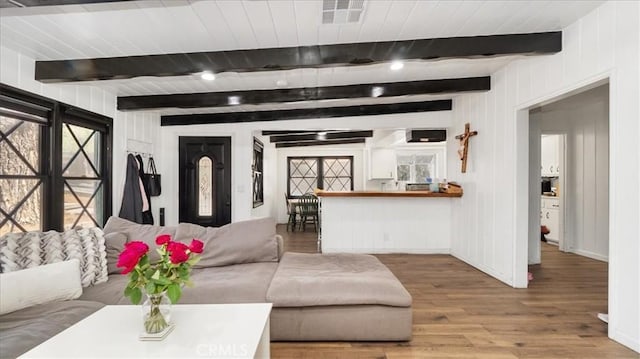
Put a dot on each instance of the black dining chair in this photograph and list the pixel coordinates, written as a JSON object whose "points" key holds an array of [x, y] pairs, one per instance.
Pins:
{"points": [[291, 211], [308, 210]]}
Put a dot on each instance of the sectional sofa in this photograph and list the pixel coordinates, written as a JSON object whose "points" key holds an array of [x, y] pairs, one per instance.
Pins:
{"points": [[316, 297]]}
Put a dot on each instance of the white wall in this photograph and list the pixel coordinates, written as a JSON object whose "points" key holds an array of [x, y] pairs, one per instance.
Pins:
{"points": [[136, 132], [242, 151], [494, 209], [584, 118], [18, 71]]}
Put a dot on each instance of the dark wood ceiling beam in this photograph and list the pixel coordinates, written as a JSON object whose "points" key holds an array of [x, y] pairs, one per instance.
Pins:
{"points": [[287, 58], [320, 143], [257, 97], [32, 3], [305, 113], [293, 132], [319, 137]]}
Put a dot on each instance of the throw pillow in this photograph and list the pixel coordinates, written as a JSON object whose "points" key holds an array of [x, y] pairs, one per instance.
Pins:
{"points": [[240, 242], [114, 242], [146, 233], [185, 232], [42, 284], [26, 250]]}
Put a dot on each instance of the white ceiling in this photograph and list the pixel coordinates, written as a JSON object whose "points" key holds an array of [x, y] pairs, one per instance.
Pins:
{"points": [[175, 26]]}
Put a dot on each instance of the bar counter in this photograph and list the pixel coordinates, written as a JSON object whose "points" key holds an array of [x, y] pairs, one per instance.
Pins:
{"points": [[387, 221], [387, 194]]}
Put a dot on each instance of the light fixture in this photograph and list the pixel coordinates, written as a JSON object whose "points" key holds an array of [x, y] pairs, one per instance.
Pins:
{"points": [[281, 83], [234, 100], [377, 91], [207, 76], [321, 136], [396, 65]]}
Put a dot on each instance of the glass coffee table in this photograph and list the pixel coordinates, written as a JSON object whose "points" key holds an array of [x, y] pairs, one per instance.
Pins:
{"points": [[201, 331]]}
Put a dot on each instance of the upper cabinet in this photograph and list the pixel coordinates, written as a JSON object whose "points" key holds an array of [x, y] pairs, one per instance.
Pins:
{"points": [[382, 163], [550, 161]]}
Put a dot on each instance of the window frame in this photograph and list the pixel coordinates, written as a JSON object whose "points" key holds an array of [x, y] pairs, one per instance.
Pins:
{"points": [[319, 170], [51, 162], [257, 173]]}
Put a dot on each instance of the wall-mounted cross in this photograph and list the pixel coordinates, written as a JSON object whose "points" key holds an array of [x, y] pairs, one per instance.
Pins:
{"points": [[464, 145]]}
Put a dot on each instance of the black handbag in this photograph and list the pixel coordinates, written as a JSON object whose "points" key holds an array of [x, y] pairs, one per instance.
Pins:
{"points": [[151, 180]]}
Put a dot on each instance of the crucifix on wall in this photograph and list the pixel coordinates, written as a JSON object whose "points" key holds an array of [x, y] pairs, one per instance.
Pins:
{"points": [[464, 145]]}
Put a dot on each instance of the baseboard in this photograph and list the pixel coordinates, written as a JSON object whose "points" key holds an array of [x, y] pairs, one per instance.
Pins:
{"points": [[591, 255], [631, 343], [486, 270], [388, 250]]}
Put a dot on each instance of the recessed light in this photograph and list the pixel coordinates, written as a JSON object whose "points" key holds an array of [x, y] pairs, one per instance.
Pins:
{"points": [[234, 100], [377, 91], [208, 76], [321, 136], [396, 65], [281, 83]]}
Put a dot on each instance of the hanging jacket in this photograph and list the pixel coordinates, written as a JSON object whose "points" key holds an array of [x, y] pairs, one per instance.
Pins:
{"points": [[131, 208], [147, 216]]}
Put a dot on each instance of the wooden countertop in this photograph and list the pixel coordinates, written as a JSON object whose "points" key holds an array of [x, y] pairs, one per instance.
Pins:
{"points": [[457, 193]]}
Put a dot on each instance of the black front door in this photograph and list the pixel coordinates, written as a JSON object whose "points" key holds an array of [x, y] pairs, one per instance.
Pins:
{"points": [[205, 180]]}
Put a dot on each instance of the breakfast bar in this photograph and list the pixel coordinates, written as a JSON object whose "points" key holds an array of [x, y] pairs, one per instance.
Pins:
{"points": [[386, 221]]}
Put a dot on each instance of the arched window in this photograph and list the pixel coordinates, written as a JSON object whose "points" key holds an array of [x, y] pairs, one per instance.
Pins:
{"points": [[205, 187]]}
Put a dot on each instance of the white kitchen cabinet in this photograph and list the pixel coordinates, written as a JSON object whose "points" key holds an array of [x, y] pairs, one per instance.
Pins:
{"points": [[382, 163], [550, 217], [550, 160]]}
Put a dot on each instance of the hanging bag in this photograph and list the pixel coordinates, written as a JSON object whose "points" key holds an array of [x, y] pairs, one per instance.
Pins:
{"points": [[151, 179]]}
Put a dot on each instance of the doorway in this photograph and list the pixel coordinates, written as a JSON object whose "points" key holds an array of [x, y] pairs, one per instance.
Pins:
{"points": [[205, 180], [583, 199]]}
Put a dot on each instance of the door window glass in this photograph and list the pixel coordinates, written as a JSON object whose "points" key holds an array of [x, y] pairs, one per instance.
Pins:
{"points": [[205, 187]]}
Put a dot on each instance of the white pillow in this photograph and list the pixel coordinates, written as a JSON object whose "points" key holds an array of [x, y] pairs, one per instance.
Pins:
{"points": [[38, 285]]}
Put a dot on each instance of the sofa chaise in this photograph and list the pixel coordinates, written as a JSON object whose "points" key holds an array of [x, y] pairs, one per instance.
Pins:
{"points": [[316, 297]]}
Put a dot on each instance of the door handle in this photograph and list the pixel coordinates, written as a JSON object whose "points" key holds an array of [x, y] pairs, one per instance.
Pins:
{"points": [[547, 215]]}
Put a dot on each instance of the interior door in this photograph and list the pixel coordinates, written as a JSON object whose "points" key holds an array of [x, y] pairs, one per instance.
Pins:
{"points": [[205, 180]]}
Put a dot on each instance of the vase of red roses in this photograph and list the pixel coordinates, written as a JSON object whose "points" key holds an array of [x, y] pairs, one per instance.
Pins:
{"points": [[162, 281]]}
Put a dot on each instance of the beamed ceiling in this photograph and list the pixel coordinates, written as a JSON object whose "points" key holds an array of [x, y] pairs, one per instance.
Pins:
{"points": [[276, 60]]}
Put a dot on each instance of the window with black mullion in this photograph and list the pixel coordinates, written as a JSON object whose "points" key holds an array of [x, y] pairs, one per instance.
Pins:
{"points": [[329, 173]]}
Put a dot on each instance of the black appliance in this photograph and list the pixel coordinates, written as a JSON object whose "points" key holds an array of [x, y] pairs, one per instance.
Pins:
{"points": [[546, 185]]}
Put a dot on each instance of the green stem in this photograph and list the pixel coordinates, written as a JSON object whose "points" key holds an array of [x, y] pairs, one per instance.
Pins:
{"points": [[154, 322]]}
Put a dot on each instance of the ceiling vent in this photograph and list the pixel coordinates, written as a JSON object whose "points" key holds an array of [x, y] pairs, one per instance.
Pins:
{"points": [[426, 135], [342, 11]]}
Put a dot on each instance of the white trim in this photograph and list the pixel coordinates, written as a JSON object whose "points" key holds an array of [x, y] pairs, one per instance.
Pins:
{"points": [[591, 255], [388, 250]]}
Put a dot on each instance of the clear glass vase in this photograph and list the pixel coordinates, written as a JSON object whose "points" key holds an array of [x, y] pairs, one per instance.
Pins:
{"points": [[156, 312]]}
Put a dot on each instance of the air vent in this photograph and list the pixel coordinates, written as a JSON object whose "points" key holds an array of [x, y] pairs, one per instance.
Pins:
{"points": [[342, 11], [426, 135]]}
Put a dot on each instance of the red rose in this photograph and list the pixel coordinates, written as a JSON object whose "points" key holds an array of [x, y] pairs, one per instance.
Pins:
{"points": [[176, 246], [178, 256], [138, 247], [196, 246], [163, 239], [128, 259], [131, 254]]}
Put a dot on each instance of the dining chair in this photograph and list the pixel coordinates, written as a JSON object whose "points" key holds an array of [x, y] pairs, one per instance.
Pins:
{"points": [[308, 209], [291, 211]]}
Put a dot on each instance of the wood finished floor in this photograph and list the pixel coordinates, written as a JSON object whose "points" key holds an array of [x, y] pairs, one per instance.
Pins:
{"points": [[460, 312]]}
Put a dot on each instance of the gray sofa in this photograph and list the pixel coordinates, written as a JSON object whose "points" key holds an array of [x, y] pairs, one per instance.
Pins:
{"points": [[316, 297]]}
